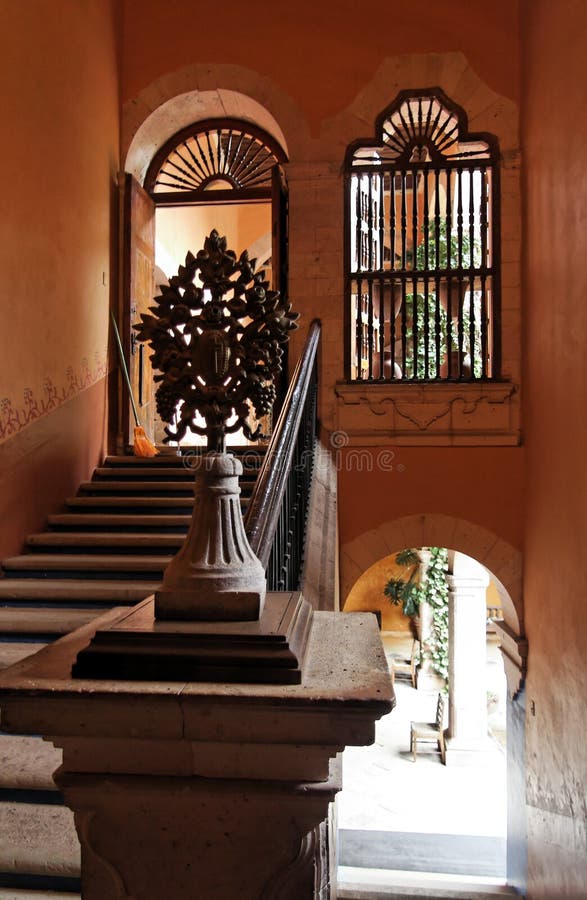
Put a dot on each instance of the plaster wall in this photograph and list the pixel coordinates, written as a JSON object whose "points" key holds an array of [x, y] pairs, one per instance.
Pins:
{"points": [[481, 484], [554, 137], [321, 54], [59, 156], [179, 229]]}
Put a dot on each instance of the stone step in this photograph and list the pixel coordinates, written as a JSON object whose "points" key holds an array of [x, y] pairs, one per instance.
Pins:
{"points": [[71, 590], [95, 521], [12, 652], [120, 542], [16, 894], [27, 763], [148, 488], [384, 884], [156, 472], [44, 621], [129, 503], [38, 839], [182, 474], [251, 452], [118, 565]]}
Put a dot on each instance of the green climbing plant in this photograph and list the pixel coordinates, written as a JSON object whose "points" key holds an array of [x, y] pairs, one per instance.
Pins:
{"points": [[410, 593], [436, 594]]}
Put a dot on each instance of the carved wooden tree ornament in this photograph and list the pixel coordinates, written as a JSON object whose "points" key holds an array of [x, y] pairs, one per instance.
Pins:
{"points": [[216, 333]]}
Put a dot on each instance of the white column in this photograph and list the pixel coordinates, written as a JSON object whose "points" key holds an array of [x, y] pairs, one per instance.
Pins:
{"points": [[468, 741]]}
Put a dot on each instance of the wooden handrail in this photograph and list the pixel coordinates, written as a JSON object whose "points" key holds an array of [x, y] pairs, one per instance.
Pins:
{"points": [[265, 506]]}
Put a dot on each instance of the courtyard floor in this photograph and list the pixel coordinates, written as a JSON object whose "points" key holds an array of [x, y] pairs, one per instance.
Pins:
{"points": [[397, 815]]}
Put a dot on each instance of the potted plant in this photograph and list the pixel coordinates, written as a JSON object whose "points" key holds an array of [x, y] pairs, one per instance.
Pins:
{"points": [[406, 591]]}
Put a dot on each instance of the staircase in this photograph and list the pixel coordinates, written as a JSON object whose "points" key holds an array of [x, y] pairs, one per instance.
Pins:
{"points": [[108, 547]]}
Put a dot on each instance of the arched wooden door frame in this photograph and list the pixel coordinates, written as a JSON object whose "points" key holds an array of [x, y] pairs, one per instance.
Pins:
{"points": [[254, 151]]}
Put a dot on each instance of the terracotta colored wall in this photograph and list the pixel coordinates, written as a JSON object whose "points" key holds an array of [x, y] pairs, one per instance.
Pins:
{"points": [[319, 53], [555, 136], [59, 156], [483, 485], [180, 229]]}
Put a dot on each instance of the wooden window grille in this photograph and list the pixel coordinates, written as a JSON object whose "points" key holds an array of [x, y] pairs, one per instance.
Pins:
{"points": [[422, 247]]}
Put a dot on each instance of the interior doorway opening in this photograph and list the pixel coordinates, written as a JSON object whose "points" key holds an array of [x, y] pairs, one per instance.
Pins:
{"points": [[180, 230], [216, 174], [424, 819]]}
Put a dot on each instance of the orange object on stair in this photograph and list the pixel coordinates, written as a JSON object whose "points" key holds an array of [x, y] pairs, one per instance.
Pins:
{"points": [[142, 446]]}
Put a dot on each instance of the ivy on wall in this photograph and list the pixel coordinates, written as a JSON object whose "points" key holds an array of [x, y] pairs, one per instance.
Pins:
{"points": [[435, 592]]}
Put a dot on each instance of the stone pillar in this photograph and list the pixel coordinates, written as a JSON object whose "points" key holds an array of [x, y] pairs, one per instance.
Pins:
{"points": [[468, 741], [207, 790]]}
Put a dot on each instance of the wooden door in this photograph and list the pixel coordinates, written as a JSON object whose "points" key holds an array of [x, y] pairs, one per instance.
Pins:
{"points": [[137, 214], [279, 261], [279, 229]]}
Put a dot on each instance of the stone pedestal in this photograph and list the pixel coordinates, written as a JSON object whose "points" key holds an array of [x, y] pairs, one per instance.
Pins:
{"points": [[192, 789], [468, 742], [215, 576]]}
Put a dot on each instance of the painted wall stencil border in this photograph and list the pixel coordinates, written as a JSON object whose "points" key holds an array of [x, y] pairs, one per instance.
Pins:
{"points": [[15, 415]]}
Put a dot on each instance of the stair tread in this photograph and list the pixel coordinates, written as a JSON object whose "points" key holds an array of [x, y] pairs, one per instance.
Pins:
{"points": [[171, 486], [12, 652], [119, 519], [170, 459], [130, 501], [124, 563], [45, 621], [16, 894], [27, 763], [185, 472], [108, 539], [38, 840], [161, 472], [58, 588], [132, 486]]}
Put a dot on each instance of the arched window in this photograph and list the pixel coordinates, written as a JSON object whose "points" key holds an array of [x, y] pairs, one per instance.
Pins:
{"points": [[422, 248], [212, 161]]}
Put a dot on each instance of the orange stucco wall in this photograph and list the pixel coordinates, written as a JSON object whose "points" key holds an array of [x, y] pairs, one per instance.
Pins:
{"points": [[482, 485], [59, 156], [554, 139], [321, 54]]}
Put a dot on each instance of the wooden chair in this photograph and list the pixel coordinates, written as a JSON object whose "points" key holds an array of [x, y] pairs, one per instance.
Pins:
{"points": [[402, 666], [430, 731]]}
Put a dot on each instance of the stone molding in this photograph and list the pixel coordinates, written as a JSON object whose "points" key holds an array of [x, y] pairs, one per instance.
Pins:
{"points": [[441, 414]]}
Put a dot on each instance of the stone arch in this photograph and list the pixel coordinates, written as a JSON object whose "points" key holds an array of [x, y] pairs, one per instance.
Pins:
{"points": [[201, 91], [500, 558], [486, 110]]}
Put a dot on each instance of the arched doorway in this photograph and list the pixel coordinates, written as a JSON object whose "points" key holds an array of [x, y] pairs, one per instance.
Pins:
{"points": [[501, 564], [217, 173]]}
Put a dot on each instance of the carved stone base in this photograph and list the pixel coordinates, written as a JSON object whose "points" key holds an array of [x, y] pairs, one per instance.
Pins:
{"points": [[215, 577], [138, 647], [198, 838], [202, 791]]}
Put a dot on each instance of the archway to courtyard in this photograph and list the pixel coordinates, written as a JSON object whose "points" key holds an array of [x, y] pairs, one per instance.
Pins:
{"points": [[423, 814]]}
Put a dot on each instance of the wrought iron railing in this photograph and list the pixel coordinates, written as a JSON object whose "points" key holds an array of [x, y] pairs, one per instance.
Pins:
{"points": [[275, 520]]}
